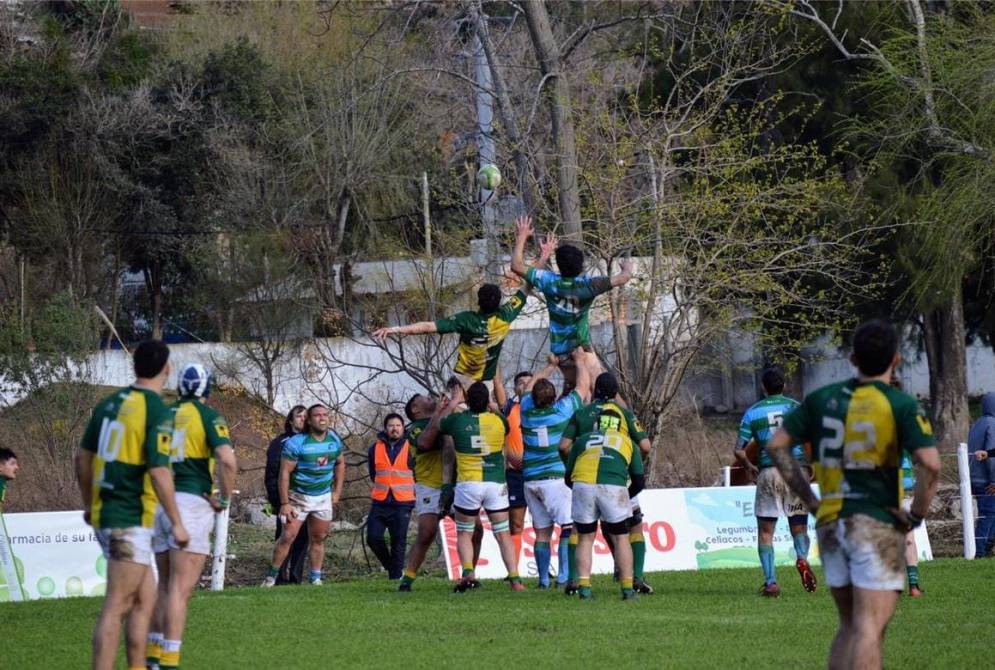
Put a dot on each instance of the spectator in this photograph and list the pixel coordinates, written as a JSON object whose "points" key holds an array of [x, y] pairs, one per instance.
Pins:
{"points": [[292, 570], [390, 460], [8, 470], [981, 445]]}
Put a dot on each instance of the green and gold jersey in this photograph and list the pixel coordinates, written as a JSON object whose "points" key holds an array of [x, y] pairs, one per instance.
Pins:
{"points": [[428, 464], [479, 442], [858, 431], [198, 430], [3, 489], [130, 431], [481, 337], [605, 437]]}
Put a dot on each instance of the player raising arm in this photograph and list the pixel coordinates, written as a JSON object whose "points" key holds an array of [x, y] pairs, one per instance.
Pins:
{"points": [[569, 295]]}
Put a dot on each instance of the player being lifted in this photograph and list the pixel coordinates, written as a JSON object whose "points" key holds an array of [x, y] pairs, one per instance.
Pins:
{"points": [[773, 498], [312, 473], [200, 436], [478, 435], [603, 458], [434, 474], [569, 296], [482, 333], [543, 420], [858, 429]]}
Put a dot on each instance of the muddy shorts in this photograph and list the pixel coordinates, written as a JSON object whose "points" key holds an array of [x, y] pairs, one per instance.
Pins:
{"points": [[864, 552]]}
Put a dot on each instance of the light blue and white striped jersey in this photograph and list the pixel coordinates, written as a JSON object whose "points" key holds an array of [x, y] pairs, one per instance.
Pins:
{"points": [[541, 432], [315, 462], [569, 301], [908, 474], [761, 421]]}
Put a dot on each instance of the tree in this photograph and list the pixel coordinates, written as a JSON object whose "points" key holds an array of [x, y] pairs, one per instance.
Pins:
{"points": [[928, 141]]}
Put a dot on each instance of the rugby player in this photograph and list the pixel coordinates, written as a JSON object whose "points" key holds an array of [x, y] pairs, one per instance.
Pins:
{"points": [[311, 478], [858, 429], [478, 436], [123, 468], [773, 498], [482, 333], [601, 439], [569, 295], [8, 470], [200, 437], [434, 473], [543, 419]]}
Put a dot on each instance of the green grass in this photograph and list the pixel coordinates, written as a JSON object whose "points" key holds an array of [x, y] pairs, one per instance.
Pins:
{"points": [[709, 619]]}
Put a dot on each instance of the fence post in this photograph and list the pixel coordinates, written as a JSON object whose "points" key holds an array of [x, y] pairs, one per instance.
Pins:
{"points": [[9, 565], [220, 550], [727, 476], [966, 504]]}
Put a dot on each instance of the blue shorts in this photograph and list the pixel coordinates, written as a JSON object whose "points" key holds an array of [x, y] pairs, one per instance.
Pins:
{"points": [[516, 488]]}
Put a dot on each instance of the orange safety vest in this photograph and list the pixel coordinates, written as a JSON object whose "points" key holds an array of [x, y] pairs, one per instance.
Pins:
{"points": [[396, 477], [513, 440]]}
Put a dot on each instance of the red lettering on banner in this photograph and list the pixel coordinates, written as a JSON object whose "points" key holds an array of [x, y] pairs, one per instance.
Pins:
{"points": [[528, 542], [668, 540], [600, 545]]}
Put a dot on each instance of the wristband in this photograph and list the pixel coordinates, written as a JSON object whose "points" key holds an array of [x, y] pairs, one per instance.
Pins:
{"points": [[914, 519]]}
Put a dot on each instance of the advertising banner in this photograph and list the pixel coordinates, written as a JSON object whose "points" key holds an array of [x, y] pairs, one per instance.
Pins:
{"points": [[55, 554], [685, 529]]}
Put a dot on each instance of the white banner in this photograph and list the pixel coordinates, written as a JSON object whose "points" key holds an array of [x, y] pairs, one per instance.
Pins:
{"points": [[685, 529], [56, 555]]}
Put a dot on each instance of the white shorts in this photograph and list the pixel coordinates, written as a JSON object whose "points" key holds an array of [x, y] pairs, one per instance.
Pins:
{"points": [[492, 496], [634, 502], [774, 498], [198, 519], [864, 552], [320, 507], [608, 502], [428, 500], [133, 544], [549, 502]]}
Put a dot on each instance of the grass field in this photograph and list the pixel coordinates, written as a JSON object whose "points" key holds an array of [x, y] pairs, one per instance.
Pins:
{"points": [[709, 619]]}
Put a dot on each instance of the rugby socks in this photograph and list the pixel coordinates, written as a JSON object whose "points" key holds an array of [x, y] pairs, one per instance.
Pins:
{"points": [[170, 654], [638, 543], [766, 552], [467, 569], [801, 545], [409, 577], [627, 591], [585, 588], [543, 557], [513, 577], [314, 575], [913, 573], [563, 556], [153, 650], [572, 555], [274, 571]]}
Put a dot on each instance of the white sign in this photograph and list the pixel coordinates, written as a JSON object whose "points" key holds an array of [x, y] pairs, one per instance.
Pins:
{"points": [[685, 529], [56, 555]]}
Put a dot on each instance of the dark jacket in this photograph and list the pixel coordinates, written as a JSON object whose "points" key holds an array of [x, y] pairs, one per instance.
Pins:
{"points": [[272, 477], [393, 449], [982, 437]]}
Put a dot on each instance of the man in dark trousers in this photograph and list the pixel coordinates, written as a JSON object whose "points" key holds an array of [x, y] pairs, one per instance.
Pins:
{"points": [[390, 461], [292, 570]]}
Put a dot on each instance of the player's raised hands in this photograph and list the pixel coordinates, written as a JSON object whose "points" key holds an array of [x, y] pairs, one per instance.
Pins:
{"points": [[627, 265], [380, 334], [548, 247], [523, 226]]}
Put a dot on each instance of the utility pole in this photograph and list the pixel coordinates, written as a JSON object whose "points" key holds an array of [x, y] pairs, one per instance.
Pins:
{"points": [[487, 154]]}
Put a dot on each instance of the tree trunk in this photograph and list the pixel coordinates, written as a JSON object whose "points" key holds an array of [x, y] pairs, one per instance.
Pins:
{"points": [[946, 355], [560, 110]]}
